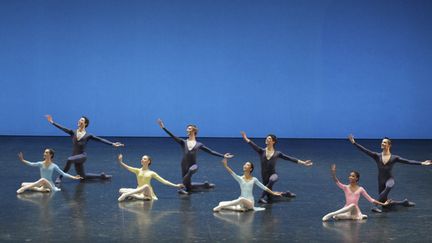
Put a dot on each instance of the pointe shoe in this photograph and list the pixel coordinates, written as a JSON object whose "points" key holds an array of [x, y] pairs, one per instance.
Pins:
{"points": [[183, 192], [407, 203], [326, 218], [122, 198], [21, 190], [263, 201], [376, 210], [216, 209]]}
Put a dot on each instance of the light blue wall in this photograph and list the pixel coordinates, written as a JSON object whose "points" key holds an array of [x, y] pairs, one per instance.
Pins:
{"points": [[304, 69]]}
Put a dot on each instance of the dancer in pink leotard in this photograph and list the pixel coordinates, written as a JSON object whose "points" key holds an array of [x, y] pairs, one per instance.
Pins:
{"points": [[352, 192]]}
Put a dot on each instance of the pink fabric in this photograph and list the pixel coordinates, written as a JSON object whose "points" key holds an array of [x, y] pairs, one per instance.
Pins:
{"points": [[353, 197]]}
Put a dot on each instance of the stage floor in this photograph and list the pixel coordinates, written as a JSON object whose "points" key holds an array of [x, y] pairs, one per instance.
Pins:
{"points": [[90, 211]]}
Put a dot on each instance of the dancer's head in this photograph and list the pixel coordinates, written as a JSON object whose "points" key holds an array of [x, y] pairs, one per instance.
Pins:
{"points": [[248, 167], [83, 121], [49, 153], [271, 139], [386, 143], [191, 128], [146, 160], [354, 177]]}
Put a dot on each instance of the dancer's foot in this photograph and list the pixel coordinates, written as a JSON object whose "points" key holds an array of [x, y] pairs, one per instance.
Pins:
{"points": [[21, 190], [105, 176], [263, 201], [183, 192], [122, 197], [407, 203], [288, 194], [376, 210]]}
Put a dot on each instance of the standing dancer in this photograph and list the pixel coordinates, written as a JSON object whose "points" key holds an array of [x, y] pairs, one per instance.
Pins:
{"points": [[246, 200], [352, 192], [385, 162], [144, 190], [190, 148], [80, 137], [47, 167], [268, 157]]}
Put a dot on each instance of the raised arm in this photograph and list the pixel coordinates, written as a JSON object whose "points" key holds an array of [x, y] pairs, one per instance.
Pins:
{"points": [[335, 179], [363, 149], [66, 130], [165, 182], [21, 158], [251, 143], [162, 125], [127, 167], [105, 141], [225, 164], [77, 177]]}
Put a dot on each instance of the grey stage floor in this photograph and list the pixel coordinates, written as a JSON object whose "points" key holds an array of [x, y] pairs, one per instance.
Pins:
{"points": [[90, 211]]}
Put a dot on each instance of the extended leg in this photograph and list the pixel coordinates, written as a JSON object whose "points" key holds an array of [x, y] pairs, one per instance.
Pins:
{"points": [[37, 185], [240, 204], [144, 190], [343, 213]]}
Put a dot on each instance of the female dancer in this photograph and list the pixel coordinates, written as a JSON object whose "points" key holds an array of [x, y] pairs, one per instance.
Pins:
{"points": [[246, 200], [190, 149], [80, 137], [144, 190], [45, 183], [385, 162], [268, 157], [352, 192]]}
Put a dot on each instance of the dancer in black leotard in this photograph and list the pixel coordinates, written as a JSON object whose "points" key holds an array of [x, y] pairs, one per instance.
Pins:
{"points": [[190, 149], [268, 157], [385, 162], [79, 139]]}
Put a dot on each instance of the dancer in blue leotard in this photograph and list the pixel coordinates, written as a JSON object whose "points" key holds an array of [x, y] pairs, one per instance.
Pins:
{"points": [[246, 200], [268, 157], [47, 167]]}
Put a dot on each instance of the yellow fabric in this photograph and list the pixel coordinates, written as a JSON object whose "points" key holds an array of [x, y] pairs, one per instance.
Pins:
{"points": [[144, 177]]}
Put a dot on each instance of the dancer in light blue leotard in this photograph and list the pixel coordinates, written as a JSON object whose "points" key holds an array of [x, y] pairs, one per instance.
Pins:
{"points": [[247, 181], [47, 167]]}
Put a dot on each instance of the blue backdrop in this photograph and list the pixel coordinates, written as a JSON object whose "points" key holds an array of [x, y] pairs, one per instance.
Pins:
{"points": [[302, 69]]}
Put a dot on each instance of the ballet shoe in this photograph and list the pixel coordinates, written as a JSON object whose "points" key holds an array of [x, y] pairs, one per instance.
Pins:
{"points": [[288, 194], [183, 192], [376, 210], [407, 203], [105, 176], [326, 218], [263, 201], [216, 209]]}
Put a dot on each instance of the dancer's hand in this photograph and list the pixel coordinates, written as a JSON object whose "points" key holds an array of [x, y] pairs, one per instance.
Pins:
{"points": [[21, 156], [427, 162], [245, 136], [387, 202], [228, 156], [278, 194], [49, 118], [160, 122], [180, 186], [118, 144], [351, 138], [120, 158], [333, 168], [225, 161], [78, 177], [306, 162]]}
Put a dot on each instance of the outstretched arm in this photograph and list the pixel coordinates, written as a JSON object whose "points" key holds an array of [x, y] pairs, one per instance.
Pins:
{"points": [[66, 130], [212, 152], [370, 199], [225, 164], [363, 149], [77, 177], [295, 160], [162, 125], [166, 182], [412, 162], [127, 167], [21, 158], [105, 141], [260, 185]]}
